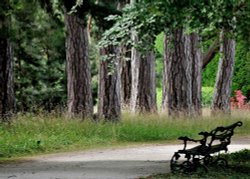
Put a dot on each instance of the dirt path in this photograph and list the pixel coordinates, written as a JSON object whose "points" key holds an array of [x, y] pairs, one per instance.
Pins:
{"points": [[104, 164]]}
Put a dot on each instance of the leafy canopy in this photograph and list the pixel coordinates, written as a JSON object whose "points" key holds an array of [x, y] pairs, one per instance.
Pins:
{"points": [[148, 18]]}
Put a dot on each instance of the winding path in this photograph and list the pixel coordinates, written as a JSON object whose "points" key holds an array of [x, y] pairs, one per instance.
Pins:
{"points": [[102, 164]]}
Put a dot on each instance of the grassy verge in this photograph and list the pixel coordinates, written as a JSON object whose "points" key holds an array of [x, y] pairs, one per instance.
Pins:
{"points": [[28, 135], [239, 167]]}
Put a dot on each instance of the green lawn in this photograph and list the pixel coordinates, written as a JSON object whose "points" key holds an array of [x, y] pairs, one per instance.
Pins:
{"points": [[29, 135]]}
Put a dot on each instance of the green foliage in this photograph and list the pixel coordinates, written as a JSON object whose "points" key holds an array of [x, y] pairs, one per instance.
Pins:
{"points": [[243, 22], [241, 80], [149, 18], [40, 80], [159, 50], [159, 45], [4, 19], [209, 73], [94, 62], [136, 18], [241, 70], [207, 96], [159, 97]]}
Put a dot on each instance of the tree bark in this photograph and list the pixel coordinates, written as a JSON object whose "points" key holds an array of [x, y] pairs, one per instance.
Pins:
{"points": [[109, 99], [179, 75], [135, 63], [80, 102], [125, 82], [196, 74], [166, 57], [182, 75], [7, 96], [146, 86], [222, 91], [143, 89]]}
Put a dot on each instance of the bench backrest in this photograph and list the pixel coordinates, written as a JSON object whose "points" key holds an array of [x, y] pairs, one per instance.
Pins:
{"points": [[223, 134]]}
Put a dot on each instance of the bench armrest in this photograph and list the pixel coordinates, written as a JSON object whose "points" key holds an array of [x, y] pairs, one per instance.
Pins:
{"points": [[205, 134], [185, 139]]}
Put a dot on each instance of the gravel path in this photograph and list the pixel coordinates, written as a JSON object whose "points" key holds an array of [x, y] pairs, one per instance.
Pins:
{"points": [[102, 164]]}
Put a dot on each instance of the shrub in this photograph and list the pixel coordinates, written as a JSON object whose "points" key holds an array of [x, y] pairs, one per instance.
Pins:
{"points": [[239, 101], [207, 96]]}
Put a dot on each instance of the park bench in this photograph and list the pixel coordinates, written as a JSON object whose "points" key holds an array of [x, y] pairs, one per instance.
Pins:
{"points": [[207, 153]]}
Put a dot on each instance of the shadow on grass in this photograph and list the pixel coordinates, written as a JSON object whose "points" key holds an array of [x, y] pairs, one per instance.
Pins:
{"points": [[240, 169], [232, 172]]}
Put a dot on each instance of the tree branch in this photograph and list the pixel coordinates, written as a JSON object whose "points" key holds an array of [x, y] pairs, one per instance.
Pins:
{"points": [[208, 57]]}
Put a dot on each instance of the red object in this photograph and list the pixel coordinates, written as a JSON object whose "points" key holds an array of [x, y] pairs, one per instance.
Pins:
{"points": [[239, 101]]}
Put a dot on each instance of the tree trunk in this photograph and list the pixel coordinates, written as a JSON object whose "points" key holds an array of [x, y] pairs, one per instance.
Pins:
{"points": [[143, 89], [125, 68], [135, 63], [196, 74], [125, 82], [80, 102], [166, 57], [179, 75], [182, 75], [146, 86], [7, 96], [222, 91], [109, 100]]}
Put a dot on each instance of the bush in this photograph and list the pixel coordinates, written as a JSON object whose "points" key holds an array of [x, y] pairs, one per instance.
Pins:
{"points": [[207, 96]]}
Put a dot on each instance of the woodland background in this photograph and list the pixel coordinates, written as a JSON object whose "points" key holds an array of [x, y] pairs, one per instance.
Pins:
{"points": [[33, 35]]}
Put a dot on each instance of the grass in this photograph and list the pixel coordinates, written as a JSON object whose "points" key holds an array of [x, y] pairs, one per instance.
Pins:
{"points": [[239, 168], [29, 135]]}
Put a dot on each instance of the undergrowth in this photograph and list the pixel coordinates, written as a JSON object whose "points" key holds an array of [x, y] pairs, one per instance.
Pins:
{"points": [[28, 134]]}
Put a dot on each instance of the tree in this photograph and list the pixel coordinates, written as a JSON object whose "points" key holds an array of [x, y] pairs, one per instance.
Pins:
{"points": [[126, 77], [7, 97], [109, 103], [146, 86], [135, 65], [125, 67], [166, 55], [80, 101], [109, 92], [222, 92], [79, 89], [196, 73], [195, 16], [183, 74], [39, 57], [142, 24], [196, 62], [143, 92]]}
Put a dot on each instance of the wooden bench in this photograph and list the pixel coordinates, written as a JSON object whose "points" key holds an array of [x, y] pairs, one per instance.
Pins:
{"points": [[206, 153]]}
